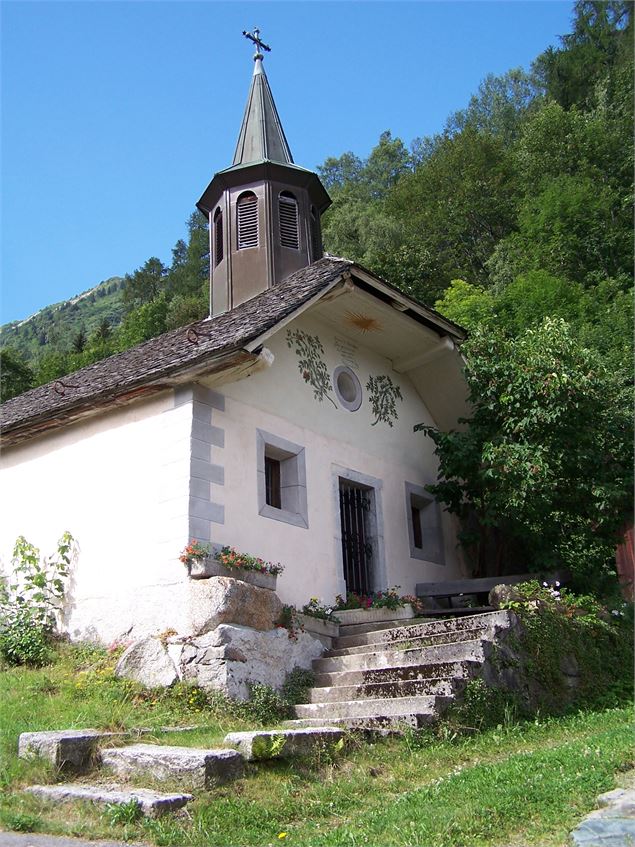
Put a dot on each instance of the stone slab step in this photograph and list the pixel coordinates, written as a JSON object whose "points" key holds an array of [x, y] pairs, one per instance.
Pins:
{"points": [[396, 707], [351, 617], [475, 650], [382, 724], [283, 743], [458, 611], [72, 749], [77, 749], [417, 628], [445, 686], [152, 803], [347, 630], [199, 767], [409, 641], [428, 671]]}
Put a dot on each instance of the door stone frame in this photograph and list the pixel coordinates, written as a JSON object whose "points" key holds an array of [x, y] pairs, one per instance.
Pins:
{"points": [[375, 521]]}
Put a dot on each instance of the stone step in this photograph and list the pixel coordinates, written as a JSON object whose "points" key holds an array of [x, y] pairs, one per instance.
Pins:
{"points": [[397, 707], [445, 686], [428, 671], [382, 724], [417, 628], [475, 650], [68, 749], [347, 630], [283, 743], [200, 768], [151, 803], [410, 641]]}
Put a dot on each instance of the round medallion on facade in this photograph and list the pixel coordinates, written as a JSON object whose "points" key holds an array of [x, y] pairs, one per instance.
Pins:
{"points": [[347, 388]]}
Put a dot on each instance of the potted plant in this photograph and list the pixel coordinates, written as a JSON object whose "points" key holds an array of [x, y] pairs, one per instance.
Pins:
{"points": [[319, 619], [194, 556], [229, 562], [369, 608]]}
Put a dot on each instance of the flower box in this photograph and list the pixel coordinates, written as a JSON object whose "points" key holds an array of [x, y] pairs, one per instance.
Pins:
{"points": [[205, 568], [319, 626], [353, 616]]}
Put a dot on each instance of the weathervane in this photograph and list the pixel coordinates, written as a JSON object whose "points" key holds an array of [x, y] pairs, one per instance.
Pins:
{"points": [[259, 44]]}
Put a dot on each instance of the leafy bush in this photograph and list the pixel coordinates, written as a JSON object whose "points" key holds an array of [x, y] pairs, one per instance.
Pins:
{"points": [[562, 630], [31, 601], [266, 705], [543, 469], [23, 641], [288, 619], [296, 685], [483, 707]]}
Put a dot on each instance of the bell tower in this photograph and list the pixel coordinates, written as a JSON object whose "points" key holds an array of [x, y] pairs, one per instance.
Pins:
{"points": [[263, 211]]}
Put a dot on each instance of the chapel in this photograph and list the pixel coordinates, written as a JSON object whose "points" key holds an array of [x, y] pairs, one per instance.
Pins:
{"points": [[281, 425]]}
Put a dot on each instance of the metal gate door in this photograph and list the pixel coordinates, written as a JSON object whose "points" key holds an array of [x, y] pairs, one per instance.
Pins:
{"points": [[357, 548]]}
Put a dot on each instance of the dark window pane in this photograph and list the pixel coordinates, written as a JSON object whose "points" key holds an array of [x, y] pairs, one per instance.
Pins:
{"points": [[272, 483], [218, 236], [416, 528]]}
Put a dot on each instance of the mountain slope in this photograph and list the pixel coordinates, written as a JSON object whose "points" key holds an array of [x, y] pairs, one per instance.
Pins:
{"points": [[57, 325]]}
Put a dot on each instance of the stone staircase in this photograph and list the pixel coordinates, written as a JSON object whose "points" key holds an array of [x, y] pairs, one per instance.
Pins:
{"points": [[389, 674], [381, 676]]}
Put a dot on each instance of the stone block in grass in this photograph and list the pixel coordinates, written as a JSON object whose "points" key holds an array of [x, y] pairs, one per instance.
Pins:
{"points": [[284, 743]]}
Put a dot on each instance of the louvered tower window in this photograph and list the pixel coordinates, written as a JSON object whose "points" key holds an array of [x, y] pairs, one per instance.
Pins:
{"points": [[316, 241], [218, 237], [288, 208], [247, 215]]}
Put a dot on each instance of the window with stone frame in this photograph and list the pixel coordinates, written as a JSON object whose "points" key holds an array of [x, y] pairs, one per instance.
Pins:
{"points": [[423, 516], [281, 479]]}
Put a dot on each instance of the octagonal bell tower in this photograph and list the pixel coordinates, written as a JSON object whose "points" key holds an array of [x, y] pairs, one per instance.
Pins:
{"points": [[263, 211]]}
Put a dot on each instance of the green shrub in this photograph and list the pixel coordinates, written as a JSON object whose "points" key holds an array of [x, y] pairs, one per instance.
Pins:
{"points": [[21, 821], [31, 599], [123, 813], [296, 686], [266, 705], [483, 707], [23, 641]]}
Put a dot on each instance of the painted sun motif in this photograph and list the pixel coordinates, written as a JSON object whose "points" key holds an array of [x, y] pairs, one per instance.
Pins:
{"points": [[363, 322]]}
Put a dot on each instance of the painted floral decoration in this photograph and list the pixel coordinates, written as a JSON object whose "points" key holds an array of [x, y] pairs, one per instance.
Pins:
{"points": [[383, 393], [309, 350]]}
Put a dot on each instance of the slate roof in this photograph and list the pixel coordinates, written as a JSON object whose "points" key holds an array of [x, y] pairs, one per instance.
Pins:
{"points": [[212, 344], [168, 354]]}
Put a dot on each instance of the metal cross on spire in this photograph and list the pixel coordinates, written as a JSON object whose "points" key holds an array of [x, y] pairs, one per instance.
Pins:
{"points": [[255, 37]]}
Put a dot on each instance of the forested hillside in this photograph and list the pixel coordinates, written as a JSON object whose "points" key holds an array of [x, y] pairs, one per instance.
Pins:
{"points": [[64, 325], [521, 208], [517, 222]]}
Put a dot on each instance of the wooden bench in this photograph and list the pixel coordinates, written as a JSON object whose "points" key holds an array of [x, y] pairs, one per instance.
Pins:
{"points": [[481, 586]]}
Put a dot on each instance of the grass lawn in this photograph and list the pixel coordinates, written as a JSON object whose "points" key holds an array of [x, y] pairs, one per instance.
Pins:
{"points": [[523, 784]]}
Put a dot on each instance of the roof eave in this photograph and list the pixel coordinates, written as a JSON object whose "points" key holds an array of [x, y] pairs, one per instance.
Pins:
{"points": [[88, 407]]}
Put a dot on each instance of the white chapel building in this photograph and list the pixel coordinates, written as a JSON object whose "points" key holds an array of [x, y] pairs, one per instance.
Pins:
{"points": [[282, 425]]}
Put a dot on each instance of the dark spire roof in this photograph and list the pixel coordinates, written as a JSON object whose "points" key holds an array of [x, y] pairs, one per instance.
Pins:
{"points": [[261, 134]]}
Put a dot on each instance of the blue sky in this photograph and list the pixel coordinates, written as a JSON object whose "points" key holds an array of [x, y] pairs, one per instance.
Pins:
{"points": [[115, 115]]}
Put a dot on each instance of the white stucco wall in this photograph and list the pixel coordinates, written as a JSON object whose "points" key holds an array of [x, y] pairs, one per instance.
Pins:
{"points": [[281, 402], [133, 485], [119, 483]]}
